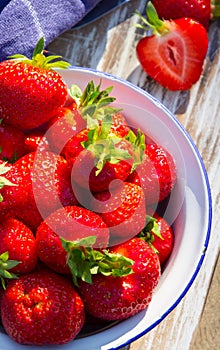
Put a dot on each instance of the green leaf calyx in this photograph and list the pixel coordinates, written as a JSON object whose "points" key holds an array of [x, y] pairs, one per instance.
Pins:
{"points": [[5, 265], [40, 60], [85, 261], [153, 22]]}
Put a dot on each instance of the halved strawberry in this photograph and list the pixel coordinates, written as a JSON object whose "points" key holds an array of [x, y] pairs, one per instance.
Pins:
{"points": [[173, 55]]}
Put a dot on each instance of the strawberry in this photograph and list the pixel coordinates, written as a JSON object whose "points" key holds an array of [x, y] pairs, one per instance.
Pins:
{"points": [[92, 103], [173, 55], [11, 143], [106, 157], [116, 297], [156, 175], [42, 184], [19, 242], [199, 10], [36, 141], [123, 211], [12, 195], [30, 90], [72, 223], [159, 235], [119, 125], [86, 107], [42, 308], [75, 144], [66, 123]]}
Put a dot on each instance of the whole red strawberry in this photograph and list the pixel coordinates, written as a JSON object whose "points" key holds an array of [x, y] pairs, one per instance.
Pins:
{"points": [[200, 10], [30, 90], [42, 183], [42, 308], [115, 297], [75, 144], [156, 175], [84, 109], [172, 55], [104, 156], [19, 242], [71, 223], [11, 143], [63, 126], [123, 210]]}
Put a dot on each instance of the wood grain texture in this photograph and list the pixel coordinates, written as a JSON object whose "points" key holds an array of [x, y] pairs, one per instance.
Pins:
{"points": [[108, 45]]}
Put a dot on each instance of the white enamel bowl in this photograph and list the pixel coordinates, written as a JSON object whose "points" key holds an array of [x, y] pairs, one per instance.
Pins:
{"points": [[189, 210]]}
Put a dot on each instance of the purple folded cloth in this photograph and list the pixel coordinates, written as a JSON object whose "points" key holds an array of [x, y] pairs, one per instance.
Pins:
{"points": [[24, 22]]}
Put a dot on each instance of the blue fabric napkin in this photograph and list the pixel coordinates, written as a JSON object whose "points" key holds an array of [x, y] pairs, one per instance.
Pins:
{"points": [[24, 22]]}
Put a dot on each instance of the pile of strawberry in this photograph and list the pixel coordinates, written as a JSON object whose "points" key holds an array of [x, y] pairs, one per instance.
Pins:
{"points": [[80, 233], [174, 52]]}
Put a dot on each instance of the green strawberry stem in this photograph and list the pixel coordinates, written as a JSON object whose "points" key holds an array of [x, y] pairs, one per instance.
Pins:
{"points": [[93, 102], [139, 145], [84, 261], [154, 22], [40, 60], [151, 228], [102, 143], [3, 181], [5, 266]]}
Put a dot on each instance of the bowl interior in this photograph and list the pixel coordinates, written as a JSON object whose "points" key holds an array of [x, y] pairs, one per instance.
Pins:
{"points": [[188, 210]]}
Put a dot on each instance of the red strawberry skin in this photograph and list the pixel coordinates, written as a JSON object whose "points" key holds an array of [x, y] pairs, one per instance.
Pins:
{"points": [[11, 143], [42, 308], [123, 211], [43, 184], [35, 141], [71, 223], [175, 58], [164, 246], [156, 175], [18, 240], [66, 123], [74, 145], [117, 298], [84, 170], [51, 182], [29, 96], [199, 10]]}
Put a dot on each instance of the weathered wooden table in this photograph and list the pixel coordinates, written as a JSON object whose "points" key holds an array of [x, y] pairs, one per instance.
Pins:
{"points": [[108, 44]]}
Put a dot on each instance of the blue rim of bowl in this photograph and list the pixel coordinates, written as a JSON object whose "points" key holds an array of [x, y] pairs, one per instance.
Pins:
{"points": [[208, 188]]}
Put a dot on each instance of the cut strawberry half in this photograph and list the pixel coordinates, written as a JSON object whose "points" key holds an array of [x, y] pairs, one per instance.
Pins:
{"points": [[174, 54]]}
